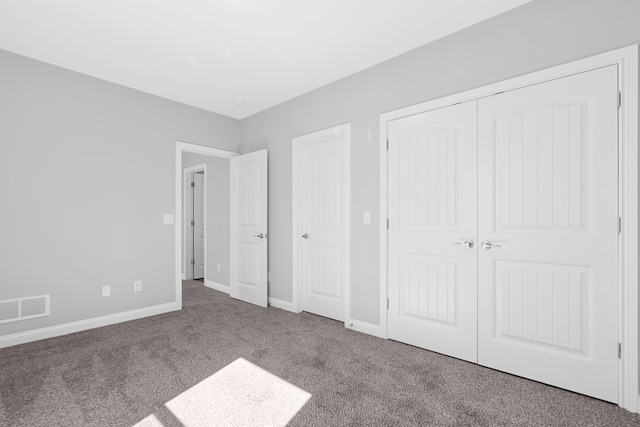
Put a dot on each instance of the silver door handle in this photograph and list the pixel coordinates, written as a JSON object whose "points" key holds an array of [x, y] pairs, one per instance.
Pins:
{"points": [[467, 244], [260, 236], [306, 236], [486, 245]]}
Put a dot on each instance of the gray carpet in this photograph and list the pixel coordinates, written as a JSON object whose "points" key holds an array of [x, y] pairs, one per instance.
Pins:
{"points": [[120, 375]]}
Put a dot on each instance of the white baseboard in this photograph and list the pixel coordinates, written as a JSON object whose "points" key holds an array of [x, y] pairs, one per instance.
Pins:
{"points": [[184, 276], [217, 286], [365, 328], [83, 325], [284, 305]]}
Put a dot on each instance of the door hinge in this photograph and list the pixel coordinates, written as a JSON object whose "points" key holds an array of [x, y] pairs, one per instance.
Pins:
{"points": [[619, 225], [387, 145], [387, 303], [619, 99], [193, 262], [193, 223], [619, 350], [387, 223], [193, 184]]}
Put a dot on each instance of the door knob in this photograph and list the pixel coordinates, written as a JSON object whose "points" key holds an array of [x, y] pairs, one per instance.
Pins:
{"points": [[467, 244], [306, 236], [260, 236], [486, 245]]}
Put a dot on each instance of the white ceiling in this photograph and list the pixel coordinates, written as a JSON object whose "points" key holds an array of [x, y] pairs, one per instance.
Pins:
{"points": [[209, 53]]}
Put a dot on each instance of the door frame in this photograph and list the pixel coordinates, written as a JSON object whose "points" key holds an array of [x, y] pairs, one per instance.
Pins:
{"points": [[186, 212], [626, 60], [186, 147], [296, 202]]}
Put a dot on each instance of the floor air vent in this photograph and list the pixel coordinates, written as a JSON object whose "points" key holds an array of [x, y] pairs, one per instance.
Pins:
{"points": [[14, 310]]}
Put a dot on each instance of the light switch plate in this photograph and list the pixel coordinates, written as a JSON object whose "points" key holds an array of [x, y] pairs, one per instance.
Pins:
{"points": [[106, 291], [366, 218], [167, 219]]}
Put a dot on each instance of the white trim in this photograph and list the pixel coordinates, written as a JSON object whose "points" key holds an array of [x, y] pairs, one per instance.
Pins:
{"points": [[347, 222], [190, 148], [627, 61], [207, 151], [296, 281], [217, 286], [283, 305], [367, 328], [384, 215], [296, 201], [83, 325], [186, 211], [628, 286]]}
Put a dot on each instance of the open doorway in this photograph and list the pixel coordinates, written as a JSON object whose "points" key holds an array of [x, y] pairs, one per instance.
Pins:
{"points": [[210, 248], [205, 228], [194, 248], [235, 198]]}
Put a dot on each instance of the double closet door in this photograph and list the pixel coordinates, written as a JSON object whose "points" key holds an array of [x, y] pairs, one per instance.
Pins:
{"points": [[503, 232]]}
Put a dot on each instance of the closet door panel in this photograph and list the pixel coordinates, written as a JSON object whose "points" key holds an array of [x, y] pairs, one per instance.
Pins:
{"points": [[432, 213], [548, 217]]}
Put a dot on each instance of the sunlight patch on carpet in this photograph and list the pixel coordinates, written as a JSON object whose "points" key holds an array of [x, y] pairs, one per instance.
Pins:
{"points": [[240, 394], [150, 421]]}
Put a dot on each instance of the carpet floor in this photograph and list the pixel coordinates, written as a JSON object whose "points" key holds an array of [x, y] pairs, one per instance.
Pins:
{"points": [[146, 371]]}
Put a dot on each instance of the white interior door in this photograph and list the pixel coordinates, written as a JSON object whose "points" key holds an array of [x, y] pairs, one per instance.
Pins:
{"points": [[198, 225], [248, 210], [432, 230], [548, 195], [324, 221]]}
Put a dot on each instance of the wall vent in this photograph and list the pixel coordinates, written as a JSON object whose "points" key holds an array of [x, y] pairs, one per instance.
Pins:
{"points": [[13, 310]]}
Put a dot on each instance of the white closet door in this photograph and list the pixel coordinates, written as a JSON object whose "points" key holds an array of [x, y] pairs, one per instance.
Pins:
{"points": [[548, 195], [324, 221], [248, 211], [432, 212]]}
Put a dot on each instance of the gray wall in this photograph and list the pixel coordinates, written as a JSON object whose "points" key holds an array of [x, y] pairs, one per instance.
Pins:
{"points": [[535, 36], [86, 173], [86, 167], [217, 222]]}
